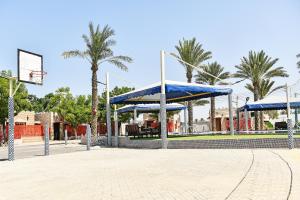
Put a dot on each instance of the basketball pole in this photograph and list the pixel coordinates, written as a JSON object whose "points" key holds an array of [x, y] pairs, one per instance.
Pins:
{"points": [[11, 111]]}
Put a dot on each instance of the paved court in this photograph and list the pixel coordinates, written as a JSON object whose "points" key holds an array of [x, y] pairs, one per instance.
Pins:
{"points": [[27, 150], [154, 174]]}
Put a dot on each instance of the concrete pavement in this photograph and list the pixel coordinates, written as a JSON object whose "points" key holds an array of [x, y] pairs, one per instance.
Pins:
{"points": [[154, 174], [27, 150]]}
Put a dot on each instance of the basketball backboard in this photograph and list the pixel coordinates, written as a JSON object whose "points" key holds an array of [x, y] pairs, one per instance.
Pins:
{"points": [[30, 67]]}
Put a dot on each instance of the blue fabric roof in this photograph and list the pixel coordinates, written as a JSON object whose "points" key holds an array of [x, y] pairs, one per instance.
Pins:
{"points": [[145, 108], [175, 92], [272, 103]]}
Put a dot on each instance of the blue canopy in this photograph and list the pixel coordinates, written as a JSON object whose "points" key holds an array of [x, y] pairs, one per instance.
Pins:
{"points": [[272, 103], [145, 108], [175, 92]]}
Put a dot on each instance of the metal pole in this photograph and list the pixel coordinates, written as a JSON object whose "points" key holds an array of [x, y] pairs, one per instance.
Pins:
{"points": [[116, 127], [88, 137], [185, 118], [230, 114], [237, 114], [11, 150], [66, 136], [163, 114], [246, 119], [296, 114], [134, 116], [108, 121], [289, 121], [46, 138]]}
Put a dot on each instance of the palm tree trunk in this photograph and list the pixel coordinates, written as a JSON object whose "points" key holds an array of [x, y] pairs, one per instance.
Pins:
{"points": [[190, 108], [212, 113], [94, 101], [256, 123], [261, 120]]}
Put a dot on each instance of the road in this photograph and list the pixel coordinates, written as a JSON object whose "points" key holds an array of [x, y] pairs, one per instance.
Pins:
{"points": [[28, 150]]}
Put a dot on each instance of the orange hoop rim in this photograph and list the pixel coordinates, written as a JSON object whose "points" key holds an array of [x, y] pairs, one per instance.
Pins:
{"points": [[37, 73]]}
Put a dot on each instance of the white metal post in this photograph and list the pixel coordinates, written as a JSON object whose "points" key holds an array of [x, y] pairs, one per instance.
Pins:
{"points": [[134, 116], [246, 119], [11, 148], [88, 137], [116, 126], [46, 138], [185, 118], [296, 114], [289, 120], [230, 114], [108, 121], [163, 114], [66, 136]]}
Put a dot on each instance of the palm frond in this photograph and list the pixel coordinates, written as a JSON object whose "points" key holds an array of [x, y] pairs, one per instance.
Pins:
{"points": [[74, 53]]}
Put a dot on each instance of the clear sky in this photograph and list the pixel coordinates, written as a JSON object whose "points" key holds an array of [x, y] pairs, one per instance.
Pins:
{"points": [[227, 28]]}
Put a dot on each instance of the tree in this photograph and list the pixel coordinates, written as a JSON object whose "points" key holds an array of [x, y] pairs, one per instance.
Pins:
{"points": [[74, 110], [98, 50], [39, 104], [265, 89], [191, 52], [20, 98], [298, 63], [257, 67], [124, 117], [208, 76]]}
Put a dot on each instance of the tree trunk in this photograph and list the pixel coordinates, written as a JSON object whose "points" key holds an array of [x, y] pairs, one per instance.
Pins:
{"points": [[190, 109], [75, 132], [256, 123], [212, 113], [261, 120], [94, 101]]}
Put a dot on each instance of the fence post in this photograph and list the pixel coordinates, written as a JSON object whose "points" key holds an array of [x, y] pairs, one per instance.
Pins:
{"points": [[289, 120], [66, 136], [46, 138], [88, 137]]}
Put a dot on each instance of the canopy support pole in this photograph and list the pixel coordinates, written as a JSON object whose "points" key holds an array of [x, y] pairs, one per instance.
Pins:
{"points": [[289, 120], [108, 121], [116, 127], [134, 116], [230, 114], [185, 118], [163, 114], [246, 119]]}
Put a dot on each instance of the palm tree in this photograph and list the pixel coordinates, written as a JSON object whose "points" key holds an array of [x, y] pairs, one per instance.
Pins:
{"points": [[257, 67], [191, 52], [98, 50], [212, 74], [265, 89]]}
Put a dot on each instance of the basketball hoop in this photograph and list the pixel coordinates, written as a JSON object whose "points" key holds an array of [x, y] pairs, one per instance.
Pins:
{"points": [[37, 76]]}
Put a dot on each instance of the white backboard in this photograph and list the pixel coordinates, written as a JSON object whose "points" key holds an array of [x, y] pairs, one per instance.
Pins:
{"points": [[30, 67]]}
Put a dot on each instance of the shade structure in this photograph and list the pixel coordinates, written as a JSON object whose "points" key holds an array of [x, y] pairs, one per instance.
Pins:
{"points": [[272, 103], [175, 92], [145, 108]]}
